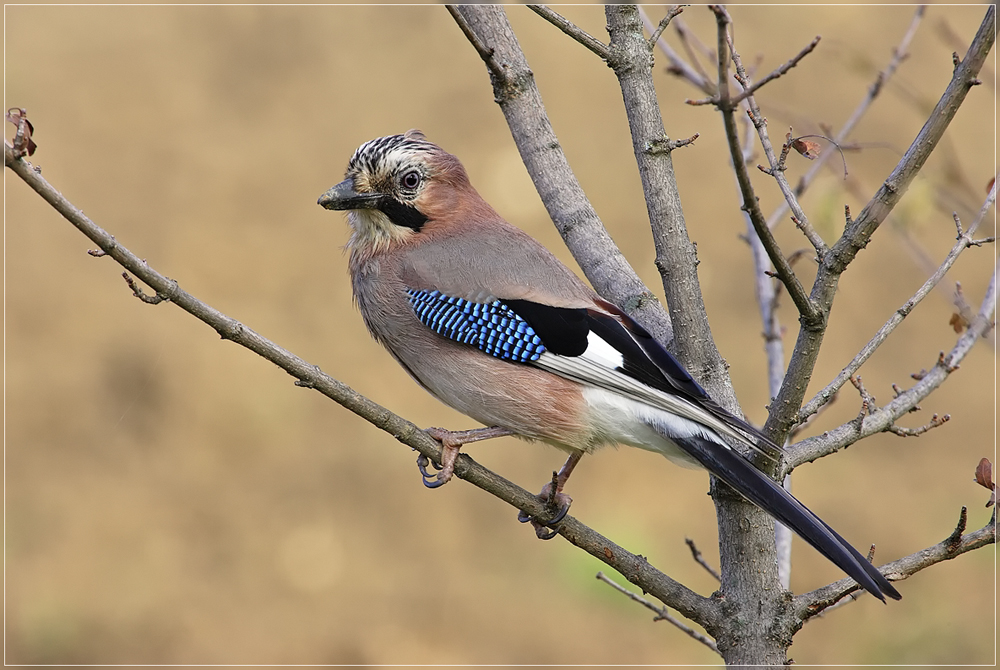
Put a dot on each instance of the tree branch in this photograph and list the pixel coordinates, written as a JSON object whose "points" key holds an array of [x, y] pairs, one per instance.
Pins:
{"points": [[662, 613], [777, 165], [676, 258], [807, 310], [858, 234], [899, 54], [571, 29], [881, 419], [582, 230], [634, 568], [965, 240], [813, 603], [785, 408]]}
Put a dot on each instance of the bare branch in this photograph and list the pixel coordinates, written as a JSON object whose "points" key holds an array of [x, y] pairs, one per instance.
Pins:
{"points": [[777, 166], [566, 203], [771, 76], [700, 560], [882, 419], [678, 65], [571, 29], [810, 604], [914, 432], [785, 409], [673, 11], [808, 49], [484, 52], [662, 613], [856, 237], [750, 203], [634, 568], [676, 256], [899, 54], [140, 294], [964, 241]]}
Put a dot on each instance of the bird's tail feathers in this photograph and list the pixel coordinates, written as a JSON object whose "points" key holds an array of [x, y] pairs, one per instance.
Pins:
{"points": [[759, 489]]}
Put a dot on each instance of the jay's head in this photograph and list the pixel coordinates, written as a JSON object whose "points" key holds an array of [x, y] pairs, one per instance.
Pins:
{"points": [[398, 187]]}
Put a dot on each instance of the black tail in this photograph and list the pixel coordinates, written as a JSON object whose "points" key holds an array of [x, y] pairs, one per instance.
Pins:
{"points": [[759, 489]]}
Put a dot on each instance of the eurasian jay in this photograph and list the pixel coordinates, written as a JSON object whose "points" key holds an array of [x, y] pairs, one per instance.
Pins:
{"points": [[492, 324]]}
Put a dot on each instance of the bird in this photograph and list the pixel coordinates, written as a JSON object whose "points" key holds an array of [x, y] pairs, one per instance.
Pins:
{"points": [[490, 322]]}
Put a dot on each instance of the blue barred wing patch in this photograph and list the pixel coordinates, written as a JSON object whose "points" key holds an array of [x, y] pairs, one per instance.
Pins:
{"points": [[491, 327]]}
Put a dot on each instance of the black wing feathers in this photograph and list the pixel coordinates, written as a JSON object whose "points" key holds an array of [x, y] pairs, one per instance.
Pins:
{"points": [[756, 487], [562, 330]]}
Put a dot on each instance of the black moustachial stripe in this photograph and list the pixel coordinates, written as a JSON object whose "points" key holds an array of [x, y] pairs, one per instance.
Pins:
{"points": [[402, 214]]}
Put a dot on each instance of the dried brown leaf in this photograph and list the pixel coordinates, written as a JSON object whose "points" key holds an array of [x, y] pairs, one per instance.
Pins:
{"points": [[984, 477], [807, 148], [958, 322]]}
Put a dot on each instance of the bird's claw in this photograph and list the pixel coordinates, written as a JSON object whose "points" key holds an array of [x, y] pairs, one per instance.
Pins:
{"points": [[431, 480], [547, 529]]}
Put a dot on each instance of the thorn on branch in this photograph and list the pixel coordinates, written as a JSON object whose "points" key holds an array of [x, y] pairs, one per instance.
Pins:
{"points": [[848, 221], [955, 539], [700, 560], [914, 432], [677, 144], [155, 299], [943, 362]]}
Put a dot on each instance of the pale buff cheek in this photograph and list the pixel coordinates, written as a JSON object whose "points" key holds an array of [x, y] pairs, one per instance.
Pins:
{"points": [[374, 231]]}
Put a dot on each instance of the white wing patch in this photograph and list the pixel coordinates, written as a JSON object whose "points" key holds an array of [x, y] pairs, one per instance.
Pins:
{"points": [[600, 352], [591, 371]]}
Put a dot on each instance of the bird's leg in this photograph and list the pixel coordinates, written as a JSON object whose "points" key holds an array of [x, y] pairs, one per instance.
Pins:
{"points": [[554, 499], [451, 442]]}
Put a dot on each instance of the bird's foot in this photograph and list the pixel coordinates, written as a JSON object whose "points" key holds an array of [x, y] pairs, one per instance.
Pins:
{"points": [[451, 443], [556, 506]]}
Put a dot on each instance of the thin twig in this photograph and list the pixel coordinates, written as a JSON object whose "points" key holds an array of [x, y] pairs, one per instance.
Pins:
{"points": [[751, 206], [678, 66], [963, 243], [914, 432], [673, 11], [484, 52], [700, 560], [662, 613], [899, 54], [776, 168], [689, 41], [831, 441], [771, 76], [574, 31]]}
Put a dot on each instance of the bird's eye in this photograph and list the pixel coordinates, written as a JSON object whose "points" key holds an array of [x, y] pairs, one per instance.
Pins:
{"points": [[411, 180]]}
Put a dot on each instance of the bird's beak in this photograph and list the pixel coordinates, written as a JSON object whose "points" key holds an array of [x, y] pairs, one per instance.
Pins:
{"points": [[343, 196]]}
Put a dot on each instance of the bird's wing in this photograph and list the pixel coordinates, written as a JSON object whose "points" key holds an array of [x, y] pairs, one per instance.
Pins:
{"points": [[592, 346]]}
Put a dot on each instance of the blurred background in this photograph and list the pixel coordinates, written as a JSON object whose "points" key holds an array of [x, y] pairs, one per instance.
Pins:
{"points": [[172, 498]]}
